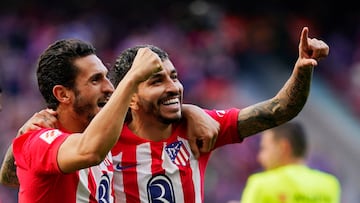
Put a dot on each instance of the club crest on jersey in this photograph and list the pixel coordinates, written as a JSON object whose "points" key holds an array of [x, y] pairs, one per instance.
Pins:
{"points": [[50, 135], [178, 153]]}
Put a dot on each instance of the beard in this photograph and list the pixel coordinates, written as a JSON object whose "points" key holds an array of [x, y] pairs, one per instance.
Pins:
{"points": [[83, 108], [154, 109], [167, 121]]}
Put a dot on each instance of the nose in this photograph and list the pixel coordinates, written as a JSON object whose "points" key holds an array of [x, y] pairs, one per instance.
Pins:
{"points": [[173, 86], [108, 86]]}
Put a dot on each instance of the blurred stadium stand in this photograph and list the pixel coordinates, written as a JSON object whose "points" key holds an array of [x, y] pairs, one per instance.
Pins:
{"points": [[228, 53]]}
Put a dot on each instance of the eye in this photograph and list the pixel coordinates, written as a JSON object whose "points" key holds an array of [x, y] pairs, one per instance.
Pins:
{"points": [[174, 76], [156, 81], [96, 78]]}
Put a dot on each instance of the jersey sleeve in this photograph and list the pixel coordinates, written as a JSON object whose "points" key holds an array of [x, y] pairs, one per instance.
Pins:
{"points": [[228, 126], [37, 150]]}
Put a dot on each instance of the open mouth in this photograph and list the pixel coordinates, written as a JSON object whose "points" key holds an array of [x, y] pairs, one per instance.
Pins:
{"points": [[101, 104], [171, 101]]}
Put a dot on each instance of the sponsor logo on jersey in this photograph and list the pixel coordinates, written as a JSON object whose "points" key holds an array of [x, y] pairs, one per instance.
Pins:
{"points": [[50, 135], [121, 167], [104, 192], [160, 189]]}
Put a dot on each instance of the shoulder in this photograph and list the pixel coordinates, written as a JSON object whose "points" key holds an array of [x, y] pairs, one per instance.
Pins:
{"points": [[44, 135], [324, 176], [262, 177], [227, 118], [222, 112]]}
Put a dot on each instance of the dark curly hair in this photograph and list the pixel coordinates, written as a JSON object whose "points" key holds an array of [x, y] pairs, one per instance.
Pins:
{"points": [[55, 66], [125, 60]]}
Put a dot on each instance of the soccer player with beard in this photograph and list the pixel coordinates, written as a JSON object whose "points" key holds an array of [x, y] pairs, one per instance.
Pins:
{"points": [[77, 73], [152, 158], [73, 163]]}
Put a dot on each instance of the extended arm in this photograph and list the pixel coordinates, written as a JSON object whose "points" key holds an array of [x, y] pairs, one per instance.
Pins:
{"points": [[292, 97]]}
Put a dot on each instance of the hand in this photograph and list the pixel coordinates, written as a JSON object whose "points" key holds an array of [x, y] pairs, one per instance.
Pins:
{"points": [[45, 118], [145, 64], [311, 50], [202, 129]]}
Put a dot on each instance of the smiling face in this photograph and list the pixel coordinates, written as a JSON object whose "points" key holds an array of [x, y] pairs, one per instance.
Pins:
{"points": [[92, 87], [160, 97]]}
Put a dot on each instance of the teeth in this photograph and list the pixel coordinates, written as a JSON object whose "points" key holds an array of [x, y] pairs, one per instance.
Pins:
{"points": [[171, 101]]}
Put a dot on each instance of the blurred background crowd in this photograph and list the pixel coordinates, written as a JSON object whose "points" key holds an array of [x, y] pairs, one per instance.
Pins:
{"points": [[228, 53]]}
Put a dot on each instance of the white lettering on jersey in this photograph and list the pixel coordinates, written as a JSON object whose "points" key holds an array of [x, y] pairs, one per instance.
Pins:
{"points": [[220, 113], [50, 135]]}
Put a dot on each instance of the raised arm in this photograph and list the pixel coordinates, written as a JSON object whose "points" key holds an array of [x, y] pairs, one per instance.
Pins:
{"points": [[292, 97], [44, 118], [92, 146]]}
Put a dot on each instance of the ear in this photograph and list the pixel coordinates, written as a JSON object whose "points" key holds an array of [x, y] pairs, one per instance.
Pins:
{"points": [[285, 146], [62, 94], [134, 102]]}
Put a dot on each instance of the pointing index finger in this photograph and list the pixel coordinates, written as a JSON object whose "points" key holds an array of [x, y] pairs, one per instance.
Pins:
{"points": [[304, 39]]}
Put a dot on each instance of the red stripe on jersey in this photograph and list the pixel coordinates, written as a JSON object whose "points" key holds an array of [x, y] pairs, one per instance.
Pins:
{"points": [[131, 177], [156, 160], [187, 183], [91, 186]]}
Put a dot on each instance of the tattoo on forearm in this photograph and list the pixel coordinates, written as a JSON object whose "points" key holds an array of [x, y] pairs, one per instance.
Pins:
{"points": [[258, 117], [298, 91], [282, 108], [8, 170], [11, 171]]}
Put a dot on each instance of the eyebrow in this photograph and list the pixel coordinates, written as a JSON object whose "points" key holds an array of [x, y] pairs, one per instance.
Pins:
{"points": [[96, 76]]}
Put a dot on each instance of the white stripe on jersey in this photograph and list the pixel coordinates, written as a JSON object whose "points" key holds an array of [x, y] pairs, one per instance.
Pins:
{"points": [[143, 169], [195, 171], [118, 180], [82, 191]]}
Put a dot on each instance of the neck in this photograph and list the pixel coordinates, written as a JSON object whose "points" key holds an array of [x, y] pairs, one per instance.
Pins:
{"points": [[154, 131], [294, 161], [69, 122]]}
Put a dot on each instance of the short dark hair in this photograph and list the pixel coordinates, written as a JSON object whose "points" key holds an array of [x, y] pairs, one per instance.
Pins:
{"points": [[55, 66], [126, 58], [294, 132]]}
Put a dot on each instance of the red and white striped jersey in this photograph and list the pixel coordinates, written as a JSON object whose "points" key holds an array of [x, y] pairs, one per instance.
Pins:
{"points": [[165, 171], [42, 181]]}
